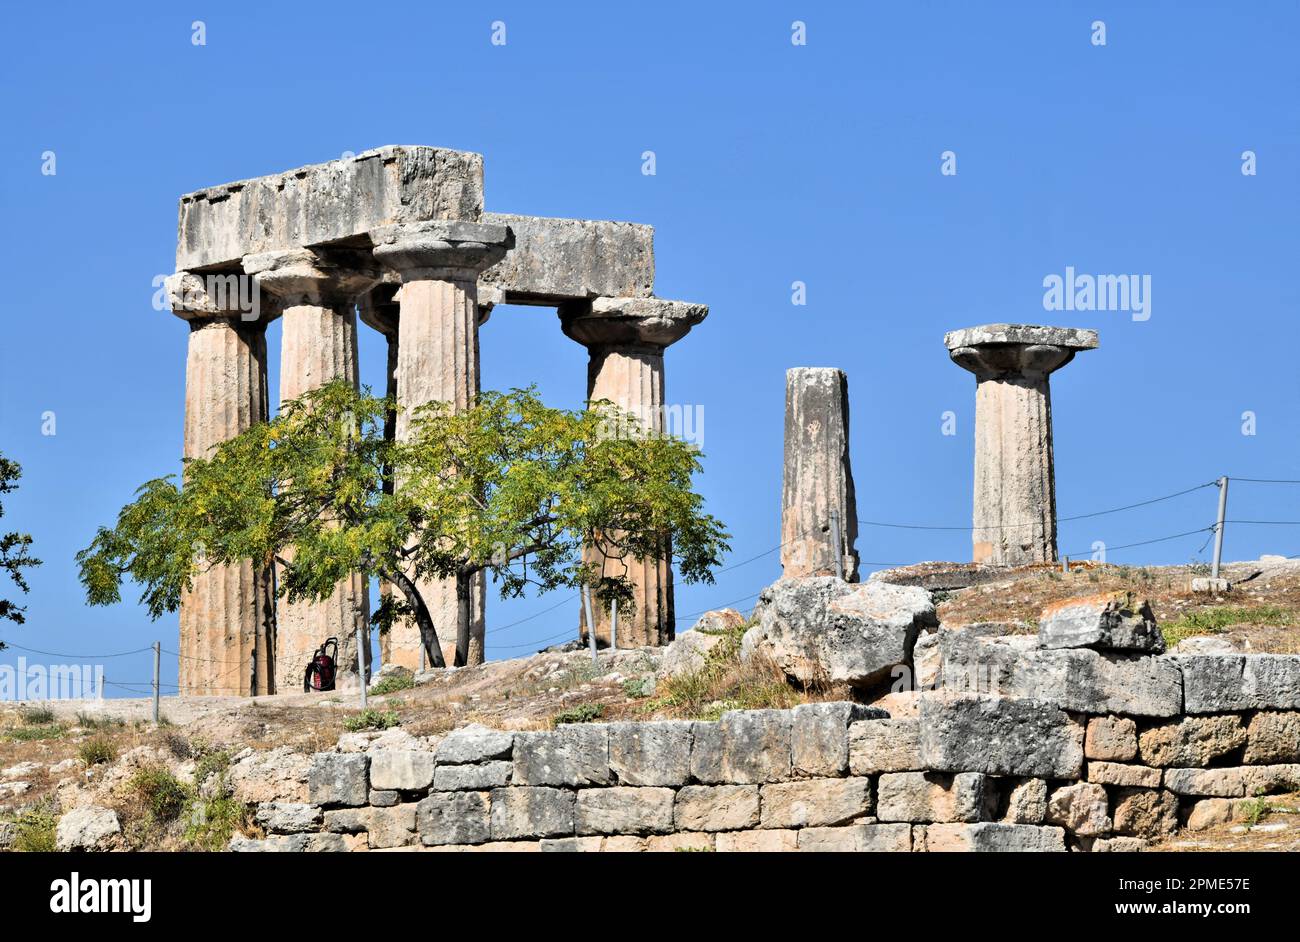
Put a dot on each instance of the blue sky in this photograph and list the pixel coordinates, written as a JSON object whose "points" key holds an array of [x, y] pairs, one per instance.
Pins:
{"points": [[775, 163]]}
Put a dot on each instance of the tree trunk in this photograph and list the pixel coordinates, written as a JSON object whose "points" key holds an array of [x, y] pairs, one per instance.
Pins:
{"points": [[468, 650], [428, 633]]}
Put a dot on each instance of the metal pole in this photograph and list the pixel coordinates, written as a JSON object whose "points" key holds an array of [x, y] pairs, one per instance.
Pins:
{"points": [[1065, 564], [361, 663], [1218, 527], [613, 626], [839, 548], [157, 663], [591, 624]]}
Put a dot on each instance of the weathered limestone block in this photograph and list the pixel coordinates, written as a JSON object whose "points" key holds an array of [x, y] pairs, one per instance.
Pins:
{"points": [[680, 841], [999, 736], [621, 810], [454, 818], [491, 847], [1225, 683], [347, 820], [1266, 779], [557, 260], [1118, 845], [744, 747], [716, 808], [1078, 679], [571, 755], [1027, 803], [892, 745], [488, 775], [769, 841], [1221, 783], [403, 770], [288, 817], [819, 628], [384, 799], [1211, 812], [1130, 776], [819, 736], [687, 652], [1273, 738], [1191, 741], [857, 838], [474, 743], [1145, 812], [934, 796], [818, 479], [292, 844], [338, 778], [988, 837], [1109, 621], [87, 828], [274, 775], [1081, 808], [393, 827], [1015, 486], [1113, 738], [530, 813], [815, 802], [651, 753], [328, 202]]}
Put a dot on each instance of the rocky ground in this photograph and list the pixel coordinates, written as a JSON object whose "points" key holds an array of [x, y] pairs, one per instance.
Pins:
{"points": [[68, 754]]}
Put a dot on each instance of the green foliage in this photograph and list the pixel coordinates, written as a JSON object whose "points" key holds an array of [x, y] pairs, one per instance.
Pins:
{"points": [[35, 830], [211, 763], [96, 751], [1251, 810], [1217, 619], [91, 721], [212, 822], [392, 684], [37, 716], [162, 793], [635, 688], [36, 733], [371, 718], [582, 713], [509, 487], [15, 548]]}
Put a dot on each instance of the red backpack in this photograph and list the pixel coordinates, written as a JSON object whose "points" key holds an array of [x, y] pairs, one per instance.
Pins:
{"points": [[320, 672]]}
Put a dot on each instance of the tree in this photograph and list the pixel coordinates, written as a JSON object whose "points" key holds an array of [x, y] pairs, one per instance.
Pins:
{"points": [[510, 488], [15, 555]]}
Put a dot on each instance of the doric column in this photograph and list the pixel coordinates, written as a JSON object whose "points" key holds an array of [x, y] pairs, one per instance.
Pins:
{"points": [[438, 361], [817, 497], [626, 338], [318, 345], [1015, 485], [226, 617]]}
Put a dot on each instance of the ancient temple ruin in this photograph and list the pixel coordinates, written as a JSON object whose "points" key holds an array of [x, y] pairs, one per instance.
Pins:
{"points": [[399, 236]]}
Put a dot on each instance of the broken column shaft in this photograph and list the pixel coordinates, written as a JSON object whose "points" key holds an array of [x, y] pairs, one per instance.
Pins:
{"points": [[1014, 520], [817, 498]]}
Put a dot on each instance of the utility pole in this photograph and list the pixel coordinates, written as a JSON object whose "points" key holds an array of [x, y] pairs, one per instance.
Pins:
{"points": [[361, 662], [157, 664], [591, 625], [1218, 527], [613, 626]]}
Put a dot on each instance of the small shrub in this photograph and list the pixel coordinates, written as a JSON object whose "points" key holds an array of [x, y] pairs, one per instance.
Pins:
{"points": [[392, 683], [637, 688], [371, 719], [211, 763], [582, 713], [178, 745], [97, 751], [162, 794], [38, 716], [1252, 809], [213, 822], [36, 733], [35, 830], [91, 721]]}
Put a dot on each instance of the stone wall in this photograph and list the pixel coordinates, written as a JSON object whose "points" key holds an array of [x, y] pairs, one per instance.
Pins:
{"points": [[1086, 766]]}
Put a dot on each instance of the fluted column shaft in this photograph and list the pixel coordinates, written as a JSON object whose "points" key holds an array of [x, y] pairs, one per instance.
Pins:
{"points": [[226, 616]]}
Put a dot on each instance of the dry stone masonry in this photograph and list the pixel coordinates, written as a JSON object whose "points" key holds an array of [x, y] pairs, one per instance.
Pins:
{"points": [[399, 233], [1015, 485]]}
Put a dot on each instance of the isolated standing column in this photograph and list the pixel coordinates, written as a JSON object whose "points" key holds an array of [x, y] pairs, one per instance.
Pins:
{"points": [[1015, 486], [318, 345], [626, 338], [227, 614], [438, 361], [818, 503]]}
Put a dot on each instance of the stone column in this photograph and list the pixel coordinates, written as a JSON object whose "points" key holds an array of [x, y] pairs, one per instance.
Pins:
{"points": [[226, 617], [318, 345], [817, 481], [438, 360], [1015, 485], [626, 338]]}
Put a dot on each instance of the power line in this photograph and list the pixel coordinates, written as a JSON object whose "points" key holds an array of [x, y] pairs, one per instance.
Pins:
{"points": [[1264, 480], [76, 657]]}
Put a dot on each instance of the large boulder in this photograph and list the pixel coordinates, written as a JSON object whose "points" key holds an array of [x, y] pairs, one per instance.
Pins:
{"points": [[279, 775], [1108, 622], [88, 828], [822, 628], [687, 652]]}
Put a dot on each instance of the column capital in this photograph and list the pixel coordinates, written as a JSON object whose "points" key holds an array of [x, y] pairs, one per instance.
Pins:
{"points": [[304, 276], [630, 322], [206, 296], [995, 351], [441, 250]]}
